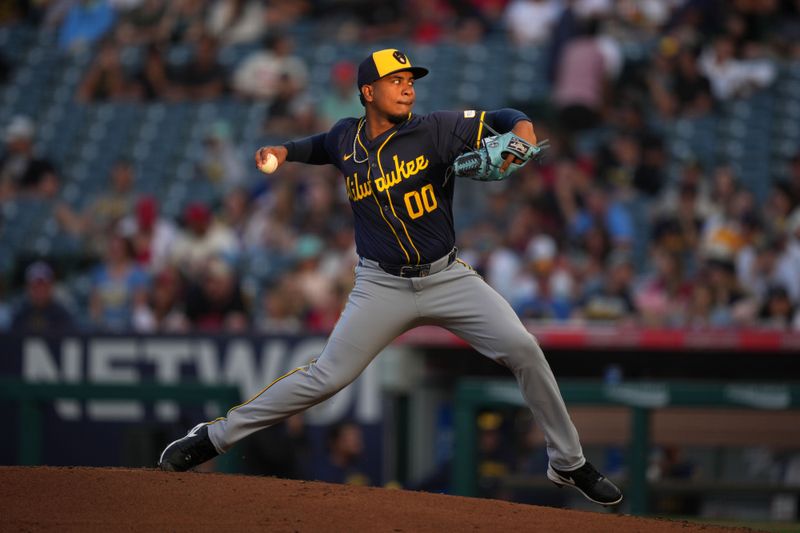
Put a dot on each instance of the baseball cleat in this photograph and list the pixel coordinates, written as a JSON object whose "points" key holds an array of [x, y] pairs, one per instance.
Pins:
{"points": [[592, 484], [189, 451]]}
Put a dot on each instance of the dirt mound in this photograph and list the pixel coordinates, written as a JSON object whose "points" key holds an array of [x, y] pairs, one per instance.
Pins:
{"points": [[106, 499]]}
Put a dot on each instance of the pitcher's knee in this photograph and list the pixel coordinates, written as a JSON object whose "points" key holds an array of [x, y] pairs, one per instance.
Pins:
{"points": [[522, 350], [329, 383]]}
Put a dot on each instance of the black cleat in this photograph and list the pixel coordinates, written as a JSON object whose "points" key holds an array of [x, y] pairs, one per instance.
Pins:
{"points": [[189, 451], [591, 483]]}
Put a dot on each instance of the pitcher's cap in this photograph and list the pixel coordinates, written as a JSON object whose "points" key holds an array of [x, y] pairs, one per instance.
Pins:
{"points": [[385, 62]]}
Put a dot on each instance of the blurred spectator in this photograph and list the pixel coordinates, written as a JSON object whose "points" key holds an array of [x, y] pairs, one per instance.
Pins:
{"points": [[596, 207], [793, 253], [215, 302], [428, 21], [530, 458], [730, 305], [633, 160], [119, 287], [318, 289], [752, 235], [770, 265], [342, 100], [40, 311], [20, 168], [323, 315], [185, 20], [291, 112], [731, 77], [777, 310], [163, 311], [143, 23], [530, 22], [689, 197], [203, 77], [151, 82], [565, 28], [339, 258], [778, 207], [722, 230], [495, 455], [469, 31], [670, 463], [345, 448], [581, 86], [281, 450], [504, 265], [274, 68], [106, 79], [678, 229], [49, 187], [613, 300], [220, 162], [237, 208], [676, 83], [202, 239], [698, 312], [272, 233], [85, 23], [662, 297], [588, 257], [545, 290], [106, 210], [692, 88], [118, 201], [282, 308], [319, 209], [237, 21], [152, 235]]}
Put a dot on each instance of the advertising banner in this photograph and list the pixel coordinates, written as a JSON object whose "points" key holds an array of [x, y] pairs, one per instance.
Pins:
{"points": [[119, 432]]}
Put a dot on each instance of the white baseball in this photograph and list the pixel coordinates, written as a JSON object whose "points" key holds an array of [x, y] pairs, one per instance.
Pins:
{"points": [[269, 165]]}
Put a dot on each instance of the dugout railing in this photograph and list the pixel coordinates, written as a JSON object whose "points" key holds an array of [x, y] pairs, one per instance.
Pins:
{"points": [[641, 398], [31, 399]]}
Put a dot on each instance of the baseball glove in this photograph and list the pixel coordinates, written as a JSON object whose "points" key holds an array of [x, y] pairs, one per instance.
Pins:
{"points": [[498, 157]]}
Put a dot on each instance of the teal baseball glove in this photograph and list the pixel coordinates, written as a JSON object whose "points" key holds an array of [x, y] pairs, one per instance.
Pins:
{"points": [[498, 157]]}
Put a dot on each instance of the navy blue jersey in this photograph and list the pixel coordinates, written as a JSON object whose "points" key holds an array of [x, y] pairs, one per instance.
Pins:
{"points": [[402, 202]]}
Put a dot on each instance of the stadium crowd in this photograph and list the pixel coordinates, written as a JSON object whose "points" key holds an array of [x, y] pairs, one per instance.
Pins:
{"points": [[558, 240]]}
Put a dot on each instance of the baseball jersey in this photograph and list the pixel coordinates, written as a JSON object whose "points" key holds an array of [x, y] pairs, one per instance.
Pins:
{"points": [[398, 183]]}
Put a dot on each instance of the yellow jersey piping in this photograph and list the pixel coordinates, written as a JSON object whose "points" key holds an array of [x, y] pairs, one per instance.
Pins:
{"points": [[480, 130], [375, 196], [419, 258], [359, 138]]}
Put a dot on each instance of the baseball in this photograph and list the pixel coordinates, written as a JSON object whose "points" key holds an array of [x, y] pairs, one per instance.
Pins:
{"points": [[269, 165]]}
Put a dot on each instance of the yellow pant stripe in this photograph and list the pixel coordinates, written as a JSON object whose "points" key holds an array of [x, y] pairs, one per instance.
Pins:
{"points": [[286, 375]]}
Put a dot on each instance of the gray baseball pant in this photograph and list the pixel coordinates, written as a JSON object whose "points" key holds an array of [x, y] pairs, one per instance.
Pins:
{"points": [[382, 306]]}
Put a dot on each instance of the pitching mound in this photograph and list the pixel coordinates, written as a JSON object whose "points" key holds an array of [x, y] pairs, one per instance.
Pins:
{"points": [[113, 499]]}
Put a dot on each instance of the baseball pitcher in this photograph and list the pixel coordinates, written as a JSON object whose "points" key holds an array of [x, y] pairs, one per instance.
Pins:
{"points": [[400, 170]]}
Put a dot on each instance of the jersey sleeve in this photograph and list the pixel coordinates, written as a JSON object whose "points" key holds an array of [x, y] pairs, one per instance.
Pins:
{"points": [[455, 132], [460, 131], [336, 141], [320, 149]]}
